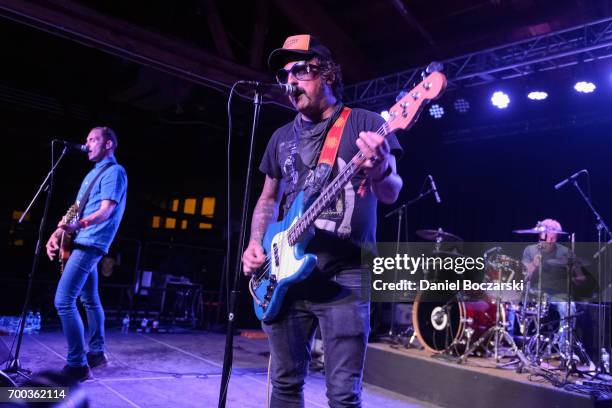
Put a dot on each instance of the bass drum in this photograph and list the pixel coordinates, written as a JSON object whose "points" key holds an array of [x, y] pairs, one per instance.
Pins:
{"points": [[444, 320]]}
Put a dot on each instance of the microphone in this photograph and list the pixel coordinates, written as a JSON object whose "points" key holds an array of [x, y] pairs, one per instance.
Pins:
{"points": [[286, 89], [72, 146], [434, 189], [570, 178]]}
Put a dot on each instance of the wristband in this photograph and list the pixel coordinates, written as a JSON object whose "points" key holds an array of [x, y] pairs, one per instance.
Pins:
{"points": [[386, 174]]}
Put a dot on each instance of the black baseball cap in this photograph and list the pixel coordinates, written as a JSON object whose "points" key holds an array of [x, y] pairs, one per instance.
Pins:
{"points": [[302, 46]]}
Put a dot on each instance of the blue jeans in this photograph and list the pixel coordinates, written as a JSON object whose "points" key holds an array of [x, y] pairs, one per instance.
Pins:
{"points": [[80, 277], [341, 307]]}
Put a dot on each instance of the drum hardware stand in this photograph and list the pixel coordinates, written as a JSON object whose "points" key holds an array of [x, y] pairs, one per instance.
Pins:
{"points": [[568, 323], [536, 356], [601, 228], [498, 331], [401, 212]]}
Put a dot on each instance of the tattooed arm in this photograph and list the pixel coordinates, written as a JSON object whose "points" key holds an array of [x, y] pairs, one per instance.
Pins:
{"points": [[265, 212]]}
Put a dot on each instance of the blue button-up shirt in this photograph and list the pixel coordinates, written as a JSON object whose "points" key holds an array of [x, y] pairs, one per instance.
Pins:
{"points": [[111, 185]]}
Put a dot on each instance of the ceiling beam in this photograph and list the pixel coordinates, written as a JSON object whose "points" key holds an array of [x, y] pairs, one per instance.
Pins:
{"points": [[215, 24], [412, 21], [77, 23], [311, 18], [256, 57]]}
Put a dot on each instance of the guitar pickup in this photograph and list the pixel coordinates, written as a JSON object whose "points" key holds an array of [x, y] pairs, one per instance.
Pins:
{"points": [[275, 254]]}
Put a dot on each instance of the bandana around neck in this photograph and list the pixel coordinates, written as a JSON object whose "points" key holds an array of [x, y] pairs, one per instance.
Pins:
{"points": [[310, 136]]}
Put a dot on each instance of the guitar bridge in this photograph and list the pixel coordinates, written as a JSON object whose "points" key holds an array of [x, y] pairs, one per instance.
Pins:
{"points": [[270, 289]]}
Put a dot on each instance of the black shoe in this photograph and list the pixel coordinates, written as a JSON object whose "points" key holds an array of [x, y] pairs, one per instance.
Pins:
{"points": [[76, 374], [96, 360]]}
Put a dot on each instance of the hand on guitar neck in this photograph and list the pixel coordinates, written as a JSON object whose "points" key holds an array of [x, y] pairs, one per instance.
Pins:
{"points": [[61, 239], [69, 226]]}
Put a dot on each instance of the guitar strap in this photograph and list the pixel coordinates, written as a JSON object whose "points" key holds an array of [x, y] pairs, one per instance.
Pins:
{"points": [[87, 192], [329, 151]]}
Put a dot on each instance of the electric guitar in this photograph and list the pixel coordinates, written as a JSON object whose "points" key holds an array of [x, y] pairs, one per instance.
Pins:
{"points": [[285, 241], [65, 247]]}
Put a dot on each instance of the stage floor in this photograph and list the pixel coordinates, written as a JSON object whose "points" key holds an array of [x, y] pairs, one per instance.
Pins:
{"points": [[182, 370], [477, 383]]}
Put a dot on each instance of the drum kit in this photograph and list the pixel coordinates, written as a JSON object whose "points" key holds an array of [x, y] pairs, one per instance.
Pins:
{"points": [[459, 324]]}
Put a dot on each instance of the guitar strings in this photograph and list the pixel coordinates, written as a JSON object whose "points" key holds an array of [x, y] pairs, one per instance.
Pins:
{"points": [[349, 167]]}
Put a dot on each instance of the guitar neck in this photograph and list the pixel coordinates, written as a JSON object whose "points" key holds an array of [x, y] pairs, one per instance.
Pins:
{"points": [[329, 193]]}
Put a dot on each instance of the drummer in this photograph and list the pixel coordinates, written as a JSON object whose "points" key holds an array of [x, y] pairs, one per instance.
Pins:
{"points": [[554, 282]]}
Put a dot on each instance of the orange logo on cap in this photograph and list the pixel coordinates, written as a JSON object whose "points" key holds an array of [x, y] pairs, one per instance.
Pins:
{"points": [[297, 42]]}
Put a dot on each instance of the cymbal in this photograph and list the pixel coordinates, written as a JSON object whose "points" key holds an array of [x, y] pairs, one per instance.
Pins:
{"points": [[563, 262], [539, 230], [434, 235], [453, 253]]}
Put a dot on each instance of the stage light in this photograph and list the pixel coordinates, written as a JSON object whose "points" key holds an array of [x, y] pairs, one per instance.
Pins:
{"points": [[385, 115], [500, 99], [584, 87], [461, 105], [537, 95], [436, 111]]}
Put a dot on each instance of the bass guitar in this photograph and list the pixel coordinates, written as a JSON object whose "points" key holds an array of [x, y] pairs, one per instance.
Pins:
{"points": [[285, 241]]}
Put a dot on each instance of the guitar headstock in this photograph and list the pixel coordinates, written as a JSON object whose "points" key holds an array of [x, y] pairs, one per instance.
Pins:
{"points": [[405, 112], [72, 215]]}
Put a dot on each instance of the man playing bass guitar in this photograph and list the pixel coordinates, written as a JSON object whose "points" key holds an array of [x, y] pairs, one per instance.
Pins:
{"points": [[336, 294]]}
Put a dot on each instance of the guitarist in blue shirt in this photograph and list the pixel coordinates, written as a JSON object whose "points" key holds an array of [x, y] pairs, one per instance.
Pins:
{"points": [[101, 214], [336, 295]]}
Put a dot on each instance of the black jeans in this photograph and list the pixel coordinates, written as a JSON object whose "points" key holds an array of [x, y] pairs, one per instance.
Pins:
{"points": [[341, 307]]}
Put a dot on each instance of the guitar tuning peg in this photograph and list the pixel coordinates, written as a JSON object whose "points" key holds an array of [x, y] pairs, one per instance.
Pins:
{"points": [[400, 95], [433, 66]]}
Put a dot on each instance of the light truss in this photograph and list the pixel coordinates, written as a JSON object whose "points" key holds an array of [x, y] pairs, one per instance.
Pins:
{"points": [[560, 49]]}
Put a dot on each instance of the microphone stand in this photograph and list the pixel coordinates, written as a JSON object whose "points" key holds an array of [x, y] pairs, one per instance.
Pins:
{"points": [[234, 295], [600, 226], [401, 212], [14, 366]]}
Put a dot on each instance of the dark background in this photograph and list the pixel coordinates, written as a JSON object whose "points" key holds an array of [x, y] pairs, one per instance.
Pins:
{"points": [[495, 169]]}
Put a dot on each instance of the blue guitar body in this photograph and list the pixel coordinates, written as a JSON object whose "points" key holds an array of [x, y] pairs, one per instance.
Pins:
{"points": [[288, 264]]}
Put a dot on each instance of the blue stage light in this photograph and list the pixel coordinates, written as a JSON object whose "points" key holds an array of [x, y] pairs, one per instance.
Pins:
{"points": [[537, 95], [500, 99], [461, 105], [436, 111], [584, 87]]}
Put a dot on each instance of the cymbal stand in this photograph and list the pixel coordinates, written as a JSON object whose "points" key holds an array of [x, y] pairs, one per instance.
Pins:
{"points": [[602, 228], [536, 356], [569, 321], [402, 213]]}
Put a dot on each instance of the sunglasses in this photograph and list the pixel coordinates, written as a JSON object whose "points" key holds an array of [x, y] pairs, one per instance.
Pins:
{"points": [[302, 71]]}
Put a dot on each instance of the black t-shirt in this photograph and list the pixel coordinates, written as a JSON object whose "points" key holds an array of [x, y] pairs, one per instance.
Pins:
{"points": [[350, 222]]}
